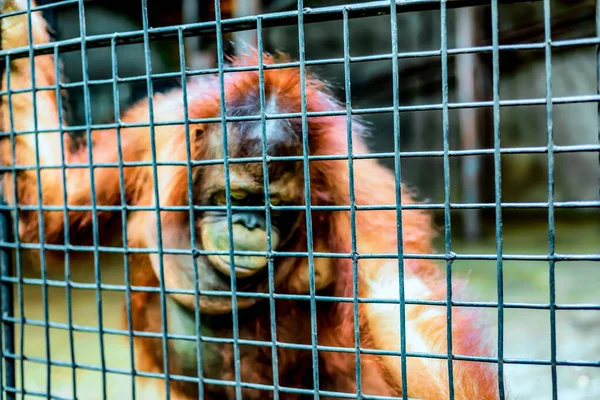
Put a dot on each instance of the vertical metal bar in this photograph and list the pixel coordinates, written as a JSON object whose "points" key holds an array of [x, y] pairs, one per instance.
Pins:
{"points": [[398, 176], [234, 308], [88, 134], [8, 329], [309, 231], [551, 252], [126, 266], [270, 266], [67, 266], [5, 329], [6, 289], [466, 69], [163, 300], [346, 28], [447, 212], [498, 193], [41, 223], [188, 148], [19, 270], [598, 74]]}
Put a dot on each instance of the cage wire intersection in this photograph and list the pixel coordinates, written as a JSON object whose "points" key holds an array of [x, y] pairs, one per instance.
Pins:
{"points": [[11, 272]]}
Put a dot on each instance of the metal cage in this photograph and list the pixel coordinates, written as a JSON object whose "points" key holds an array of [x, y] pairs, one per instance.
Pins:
{"points": [[14, 355]]}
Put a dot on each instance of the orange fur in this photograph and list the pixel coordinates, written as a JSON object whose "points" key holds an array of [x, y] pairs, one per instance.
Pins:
{"points": [[425, 326]]}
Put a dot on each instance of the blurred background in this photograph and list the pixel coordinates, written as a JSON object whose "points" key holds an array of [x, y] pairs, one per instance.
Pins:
{"points": [[525, 229]]}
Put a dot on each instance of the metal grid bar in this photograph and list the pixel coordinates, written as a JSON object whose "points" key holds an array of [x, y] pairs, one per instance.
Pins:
{"points": [[307, 200], [566, 43], [447, 217], [551, 235], [67, 258], [346, 38], [358, 112], [415, 256], [325, 299], [431, 206], [126, 266], [159, 237], [498, 195], [300, 17], [10, 371], [234, 304], [93, 194], [398, 176], [270, 258], [7, 340], [188, 146], [597, 77], [386, 155], [432, 356], [286, 18], [40, 202]]}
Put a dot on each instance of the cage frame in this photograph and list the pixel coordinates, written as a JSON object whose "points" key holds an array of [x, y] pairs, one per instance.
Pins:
{"points": [[299, 17]]}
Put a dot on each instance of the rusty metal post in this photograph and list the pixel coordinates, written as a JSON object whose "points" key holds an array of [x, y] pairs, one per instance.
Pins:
{"points": [[466, 72]]}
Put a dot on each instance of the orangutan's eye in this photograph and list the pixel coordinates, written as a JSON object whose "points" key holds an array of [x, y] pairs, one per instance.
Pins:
{"points": [[237, 196]]}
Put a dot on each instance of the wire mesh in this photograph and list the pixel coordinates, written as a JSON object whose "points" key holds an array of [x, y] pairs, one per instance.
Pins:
{"points": [[15, 357]]}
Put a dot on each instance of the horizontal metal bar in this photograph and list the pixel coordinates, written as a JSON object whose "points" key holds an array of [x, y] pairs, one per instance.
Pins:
{"points": [[566, 43], [592, 98], [296, 297], [452, 256], [332, 157], [209, 339], [515, 361], [382, 207], [310, 15], [42, 7]]}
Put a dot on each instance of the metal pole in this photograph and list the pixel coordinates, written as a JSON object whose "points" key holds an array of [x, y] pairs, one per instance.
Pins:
{"points": [[6, 297], [7, 333], [466, 70], [598, 75]]}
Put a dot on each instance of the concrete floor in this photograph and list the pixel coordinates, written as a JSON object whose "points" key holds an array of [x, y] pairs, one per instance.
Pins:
{"points": [[526, 332], [86, 344]]}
